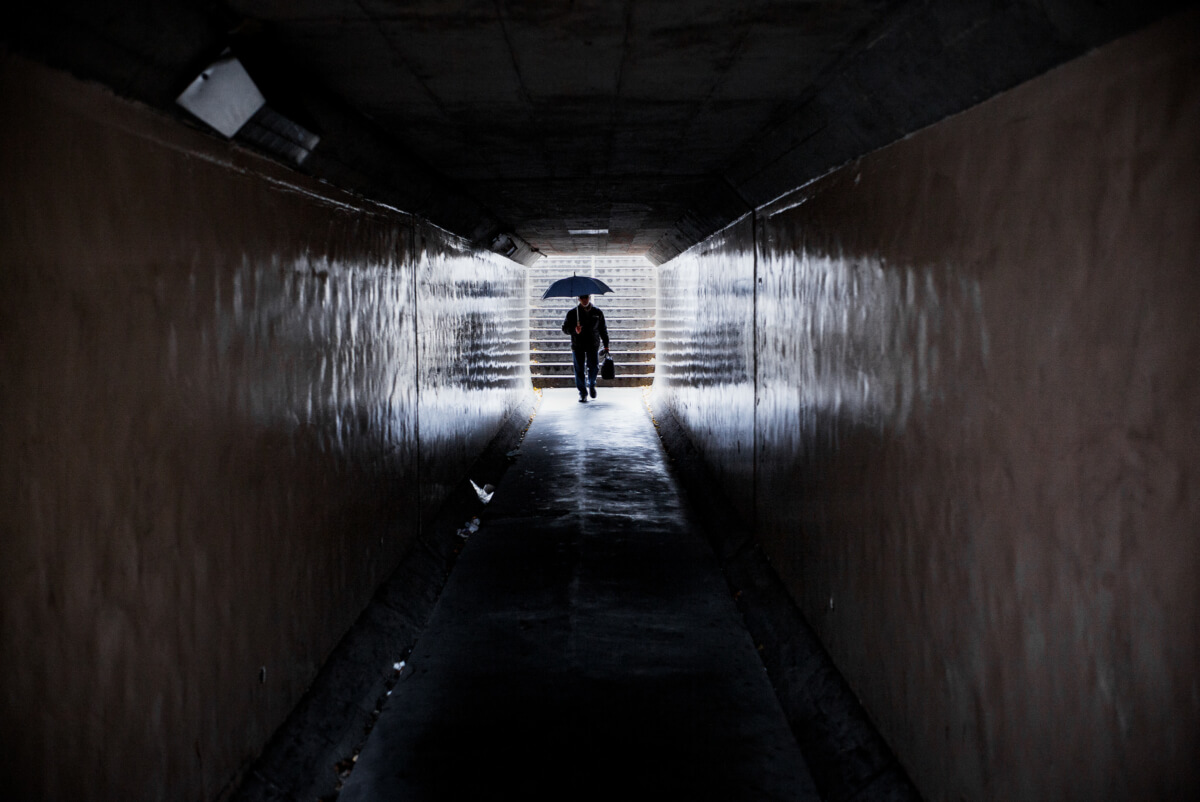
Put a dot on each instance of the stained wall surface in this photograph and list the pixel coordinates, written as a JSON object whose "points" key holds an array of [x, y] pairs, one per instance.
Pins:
{"points": [[976, 433], [705, 362], [473, 363], [209, 416]]}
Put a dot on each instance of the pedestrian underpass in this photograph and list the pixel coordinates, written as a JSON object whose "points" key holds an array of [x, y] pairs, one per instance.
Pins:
{"points": [[586, 645], [922, 363]]}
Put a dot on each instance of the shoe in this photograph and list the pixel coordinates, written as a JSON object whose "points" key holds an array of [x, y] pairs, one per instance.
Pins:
{"points": [[592, 390], [582, 398]]}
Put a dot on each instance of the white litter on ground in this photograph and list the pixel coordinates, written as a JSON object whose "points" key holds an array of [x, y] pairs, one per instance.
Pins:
{"points": [[485, 493]]}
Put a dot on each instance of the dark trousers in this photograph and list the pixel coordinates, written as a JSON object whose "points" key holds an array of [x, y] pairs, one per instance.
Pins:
{"points": [[593, 367]]}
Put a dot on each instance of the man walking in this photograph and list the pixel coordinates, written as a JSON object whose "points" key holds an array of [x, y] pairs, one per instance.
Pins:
{"points": [[585, 324]]}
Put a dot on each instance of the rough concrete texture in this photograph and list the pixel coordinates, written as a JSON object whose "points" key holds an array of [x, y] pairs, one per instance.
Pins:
{"points": [[706, 362], [472, 360], [150, 51], [210, 410], [585, 646], [656, 120], [975, 447], [846, 754], [312, 753]]}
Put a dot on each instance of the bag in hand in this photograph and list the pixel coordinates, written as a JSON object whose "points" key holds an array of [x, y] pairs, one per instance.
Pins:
{"points": [[608, 370]]}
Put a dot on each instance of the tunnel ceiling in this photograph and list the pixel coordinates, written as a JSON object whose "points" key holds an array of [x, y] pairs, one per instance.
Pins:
{"points": [[658, 121]]}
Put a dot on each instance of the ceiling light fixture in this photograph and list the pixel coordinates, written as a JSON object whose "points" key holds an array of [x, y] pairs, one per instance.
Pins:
{"points": [[224, 96], [504, 245], [577, 231], [276, 134]]}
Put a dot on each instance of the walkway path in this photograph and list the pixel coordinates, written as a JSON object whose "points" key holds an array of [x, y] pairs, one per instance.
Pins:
{"points": [[585, 645]]}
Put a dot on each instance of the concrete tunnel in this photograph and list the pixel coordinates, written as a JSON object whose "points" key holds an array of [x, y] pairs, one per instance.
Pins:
{"points": [[925, 377]]}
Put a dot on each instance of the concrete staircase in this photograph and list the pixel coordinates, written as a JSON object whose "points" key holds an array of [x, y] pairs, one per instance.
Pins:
{"points": [[628, 311]]}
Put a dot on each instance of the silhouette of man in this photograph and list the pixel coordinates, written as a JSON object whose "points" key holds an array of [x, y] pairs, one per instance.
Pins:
{"points": [[585, 324]]}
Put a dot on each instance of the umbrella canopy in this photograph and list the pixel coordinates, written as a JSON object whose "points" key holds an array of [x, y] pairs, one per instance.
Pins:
{"points": [[574, 286]]}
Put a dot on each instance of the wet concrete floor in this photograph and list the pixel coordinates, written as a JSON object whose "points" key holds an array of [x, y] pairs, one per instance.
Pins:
{"points": [[585, 645]]}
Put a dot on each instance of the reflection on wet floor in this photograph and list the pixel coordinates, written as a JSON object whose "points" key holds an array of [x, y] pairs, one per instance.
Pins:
{"points": [[585, 646]]}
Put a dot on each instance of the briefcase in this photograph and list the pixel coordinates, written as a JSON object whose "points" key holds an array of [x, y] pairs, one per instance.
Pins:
{"points": [[608, 370]]}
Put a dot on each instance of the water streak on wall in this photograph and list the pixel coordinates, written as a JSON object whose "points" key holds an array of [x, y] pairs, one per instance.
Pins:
{"points": [[209, 407], [976, 441], [474, 336], [706, 352]]}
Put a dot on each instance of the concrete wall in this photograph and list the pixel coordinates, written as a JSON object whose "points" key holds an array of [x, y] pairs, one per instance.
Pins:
{"points": [[705, 366], [473, 358], [209, 417], [976, 452]]}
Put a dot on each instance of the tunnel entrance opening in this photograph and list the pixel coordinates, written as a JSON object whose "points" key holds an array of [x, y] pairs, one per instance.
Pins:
{"points": [[629, 311]]}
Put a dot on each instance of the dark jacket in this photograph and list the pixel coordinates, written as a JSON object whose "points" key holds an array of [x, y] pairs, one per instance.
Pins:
{"points": [[594, 330]]}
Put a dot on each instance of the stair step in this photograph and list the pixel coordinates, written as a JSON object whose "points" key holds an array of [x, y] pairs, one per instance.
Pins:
{"points": [[643, 332], [544, 308], [625, 331], [647, 304], [567, 369], [625, 312], [568, 381], [560, 345], [620, 357], [619, 288]]}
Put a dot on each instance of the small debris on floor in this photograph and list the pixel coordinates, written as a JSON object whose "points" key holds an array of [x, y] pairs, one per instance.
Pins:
{"points": [[485, 493], [344, 767], [614, 599]]}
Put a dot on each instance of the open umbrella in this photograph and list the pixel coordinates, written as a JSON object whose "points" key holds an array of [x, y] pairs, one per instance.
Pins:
{"points": [[574, 286]]}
